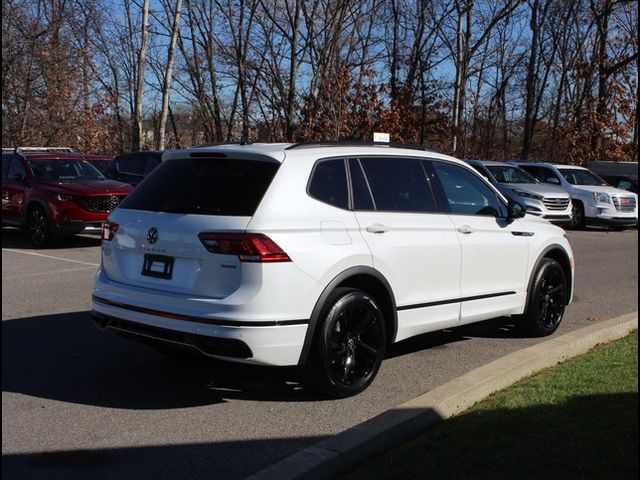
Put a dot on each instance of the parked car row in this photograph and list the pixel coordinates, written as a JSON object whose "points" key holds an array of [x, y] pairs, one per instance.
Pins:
{"points": [[565, 195], [594, 202]]}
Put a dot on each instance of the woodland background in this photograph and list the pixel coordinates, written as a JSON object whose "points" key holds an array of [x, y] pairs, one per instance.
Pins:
{"points": [[552, 80]]}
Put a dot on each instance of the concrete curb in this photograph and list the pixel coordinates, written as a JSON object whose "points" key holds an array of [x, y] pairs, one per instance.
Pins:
{"points": [[340, 452]]}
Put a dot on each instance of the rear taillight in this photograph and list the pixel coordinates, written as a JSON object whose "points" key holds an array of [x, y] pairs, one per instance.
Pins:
{"points": [[109, 230], [249, 247]]}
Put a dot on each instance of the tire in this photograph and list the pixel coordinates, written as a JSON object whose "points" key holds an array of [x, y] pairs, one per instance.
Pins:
{"points": [[546, 300], [348, 345], [577, 217], [39, 226]]}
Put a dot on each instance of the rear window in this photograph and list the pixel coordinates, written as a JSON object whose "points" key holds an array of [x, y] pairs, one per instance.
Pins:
{"points": [[203, 186]]}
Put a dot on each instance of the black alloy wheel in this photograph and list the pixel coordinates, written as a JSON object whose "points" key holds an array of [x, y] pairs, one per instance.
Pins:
{"points": [[39, 228], [349, 345], [547, 300]]}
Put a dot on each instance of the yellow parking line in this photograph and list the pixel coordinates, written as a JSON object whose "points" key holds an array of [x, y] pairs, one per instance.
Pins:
{"points": [[50, 256]]}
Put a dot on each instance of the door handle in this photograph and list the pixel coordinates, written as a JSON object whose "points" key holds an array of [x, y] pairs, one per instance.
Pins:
{"points": [[466, 229], [377, 228]]}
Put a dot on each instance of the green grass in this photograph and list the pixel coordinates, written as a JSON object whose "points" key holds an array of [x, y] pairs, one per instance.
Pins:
{"points": [[578, 420]]}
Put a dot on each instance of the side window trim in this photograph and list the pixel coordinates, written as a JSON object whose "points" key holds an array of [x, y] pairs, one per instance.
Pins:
{"points": [[366, 181], [438, 190]]}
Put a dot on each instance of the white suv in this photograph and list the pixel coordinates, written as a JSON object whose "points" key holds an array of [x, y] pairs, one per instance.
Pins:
{"points": [[595, 202], [321, 256]]}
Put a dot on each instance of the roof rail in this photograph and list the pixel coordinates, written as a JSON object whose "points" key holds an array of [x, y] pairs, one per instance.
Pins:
{"points": [[358, 143], [216, 144], [41, 149], [242, 141]]}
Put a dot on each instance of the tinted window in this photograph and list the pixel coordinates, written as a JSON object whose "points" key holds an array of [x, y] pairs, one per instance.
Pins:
{"points": [[105, 166], [204, 186], [16, 169], [329, 183], [64, 170], [480, 169], [581, 177], [135, 165], [543, 174], [361, 193], [6, 160], [399, 184], [121, 163], [151, 163], [506, 174], [466, 193]]}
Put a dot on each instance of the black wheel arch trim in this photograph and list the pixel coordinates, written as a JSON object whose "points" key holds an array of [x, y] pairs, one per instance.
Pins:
{"points": [[566, 268], [338, 281]]}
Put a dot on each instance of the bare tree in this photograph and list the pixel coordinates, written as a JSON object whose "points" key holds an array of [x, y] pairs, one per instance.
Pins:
{"points": [[168, 76], [466, 46], [140, 76]]}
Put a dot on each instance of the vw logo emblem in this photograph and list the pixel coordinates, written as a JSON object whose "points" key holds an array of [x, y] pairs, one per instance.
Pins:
{"points": [[152, 235]]}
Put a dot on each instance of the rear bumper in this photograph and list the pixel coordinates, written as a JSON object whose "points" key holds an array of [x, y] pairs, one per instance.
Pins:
{"points": [[262, 342], [209, 346]]}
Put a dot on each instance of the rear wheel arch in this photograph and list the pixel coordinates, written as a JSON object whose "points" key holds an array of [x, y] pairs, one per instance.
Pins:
{"points": [[362, 278]]}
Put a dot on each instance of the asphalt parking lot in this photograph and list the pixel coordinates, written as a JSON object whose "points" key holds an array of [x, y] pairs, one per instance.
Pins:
{"points": [[79, 403]]}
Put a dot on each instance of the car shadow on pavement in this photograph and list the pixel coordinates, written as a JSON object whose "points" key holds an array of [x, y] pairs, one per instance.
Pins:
{"points": [[19, 239], [65, 357], [502, 327]]}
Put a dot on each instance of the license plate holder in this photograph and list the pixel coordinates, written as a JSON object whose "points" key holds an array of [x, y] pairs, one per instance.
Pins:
{"points": [[158, 266]]}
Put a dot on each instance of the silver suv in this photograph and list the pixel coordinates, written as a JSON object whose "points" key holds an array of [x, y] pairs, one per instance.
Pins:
{"points": [[541, 199]]}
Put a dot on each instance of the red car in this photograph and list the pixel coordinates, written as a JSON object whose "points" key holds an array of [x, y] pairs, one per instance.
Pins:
{"points": [[54, 191]]}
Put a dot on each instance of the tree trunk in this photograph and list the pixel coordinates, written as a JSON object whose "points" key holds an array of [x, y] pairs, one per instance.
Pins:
{"points": [[142, 59], [293, 74], [168, 77], [530, 88]]}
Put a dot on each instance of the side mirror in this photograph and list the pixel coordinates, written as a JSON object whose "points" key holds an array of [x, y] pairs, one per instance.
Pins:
{"points": [[515, 210], [553, 180]]}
